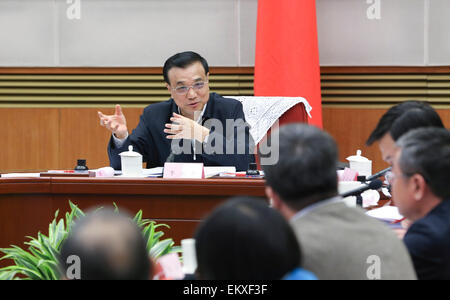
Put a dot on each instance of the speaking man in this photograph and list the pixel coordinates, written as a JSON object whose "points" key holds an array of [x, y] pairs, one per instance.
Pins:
{"points": [[194, 125]]}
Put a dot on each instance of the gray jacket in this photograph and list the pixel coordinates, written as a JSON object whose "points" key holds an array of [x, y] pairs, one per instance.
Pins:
{"points": [[339, 242]]}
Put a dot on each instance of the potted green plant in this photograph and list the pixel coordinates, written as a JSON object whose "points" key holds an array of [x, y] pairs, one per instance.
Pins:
{"points": [[40, 262]]}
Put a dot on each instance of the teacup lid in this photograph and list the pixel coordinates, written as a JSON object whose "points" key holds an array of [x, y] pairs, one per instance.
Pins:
{"points": [[130, 152], [357, 157]]}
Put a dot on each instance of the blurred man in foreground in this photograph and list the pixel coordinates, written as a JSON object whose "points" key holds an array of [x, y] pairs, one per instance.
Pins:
{"points": [[105, 245]]}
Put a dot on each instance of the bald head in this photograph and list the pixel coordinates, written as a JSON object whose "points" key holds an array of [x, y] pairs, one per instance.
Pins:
{"points": [[110, 246]]}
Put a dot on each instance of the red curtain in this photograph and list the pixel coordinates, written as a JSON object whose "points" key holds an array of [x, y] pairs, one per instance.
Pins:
{"points": [[287, 53]]}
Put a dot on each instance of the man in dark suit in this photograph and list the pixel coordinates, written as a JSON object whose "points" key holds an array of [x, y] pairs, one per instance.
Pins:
{"points": [[193, 126], [398, 120], [421, 191]]}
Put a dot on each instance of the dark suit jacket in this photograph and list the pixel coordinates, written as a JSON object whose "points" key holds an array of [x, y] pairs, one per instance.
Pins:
{"points": [[428, 242], [150, 140]]}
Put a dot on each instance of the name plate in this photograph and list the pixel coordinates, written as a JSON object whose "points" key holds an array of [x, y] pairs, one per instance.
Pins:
{"points": [[184, 170]]}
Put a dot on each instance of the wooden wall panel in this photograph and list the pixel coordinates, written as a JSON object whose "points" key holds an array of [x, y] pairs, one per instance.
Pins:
{"points": [[445, 116], [351, 126], [39, 139], [30, 139], [82, 137]]}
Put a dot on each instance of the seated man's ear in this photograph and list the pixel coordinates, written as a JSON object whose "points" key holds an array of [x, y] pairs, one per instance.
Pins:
{"points": [[274, 199], [418, 187]]}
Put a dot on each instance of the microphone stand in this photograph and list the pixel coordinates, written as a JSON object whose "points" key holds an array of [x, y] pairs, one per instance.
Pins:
{"points": [[373, 185], [359, 200]]}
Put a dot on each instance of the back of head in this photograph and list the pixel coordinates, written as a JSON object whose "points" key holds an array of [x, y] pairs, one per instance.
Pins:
{"points": [[403, 117], [109, 245], [426, 151], [182, 60], [306, 169], [415, 118], [245, 239]]}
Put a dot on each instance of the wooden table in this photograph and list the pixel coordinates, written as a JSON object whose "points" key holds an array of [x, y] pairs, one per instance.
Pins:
{"points": [[27, 205]]}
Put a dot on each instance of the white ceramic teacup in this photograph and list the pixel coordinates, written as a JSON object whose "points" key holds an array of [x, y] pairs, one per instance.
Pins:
{"points": [[131, 163]]}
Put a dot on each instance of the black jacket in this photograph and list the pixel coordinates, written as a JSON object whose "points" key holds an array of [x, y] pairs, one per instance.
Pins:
{"points": [[428, 242], [150, 140]]}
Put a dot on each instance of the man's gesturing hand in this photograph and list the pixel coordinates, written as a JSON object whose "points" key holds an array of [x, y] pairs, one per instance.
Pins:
{"points": [[116, 123], [185, 128]]}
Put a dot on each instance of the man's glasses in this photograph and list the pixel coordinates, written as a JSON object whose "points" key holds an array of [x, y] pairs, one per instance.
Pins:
{"points": [[183, 90], [391, 177]]}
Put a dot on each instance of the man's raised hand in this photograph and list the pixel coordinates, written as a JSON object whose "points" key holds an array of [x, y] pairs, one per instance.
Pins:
{"points": [[116, 123]]}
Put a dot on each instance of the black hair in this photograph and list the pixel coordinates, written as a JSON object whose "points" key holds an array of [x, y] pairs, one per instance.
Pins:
{"points": [[109, 245], [415, 118], [398, 120], [306, 168], [244, 239], [426, 151], [182, 60]]}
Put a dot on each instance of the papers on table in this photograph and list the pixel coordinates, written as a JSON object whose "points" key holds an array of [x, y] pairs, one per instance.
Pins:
{"points": [[385, 213], [17, 175], [153, 172], [213, 171], [209, 171]]}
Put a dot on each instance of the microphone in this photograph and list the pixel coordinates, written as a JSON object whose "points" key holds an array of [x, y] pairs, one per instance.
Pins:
{"points": [[379, 174], [373, 185]]}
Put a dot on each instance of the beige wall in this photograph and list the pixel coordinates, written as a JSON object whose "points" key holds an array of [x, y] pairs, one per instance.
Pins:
{"points": [[145, 32]]}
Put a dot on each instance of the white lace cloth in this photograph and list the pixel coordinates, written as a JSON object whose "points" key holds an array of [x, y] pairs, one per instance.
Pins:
{"points": [[262, 112]]}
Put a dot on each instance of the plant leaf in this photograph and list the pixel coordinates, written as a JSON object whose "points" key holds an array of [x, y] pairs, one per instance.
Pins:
{"points": [[161, 248], [7, 274], [77, 212], [38, 253], [151, 240], [60, 234], [138, 218], [27, 272], [116, 208]]}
